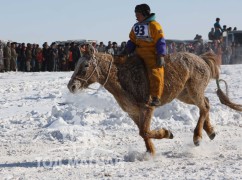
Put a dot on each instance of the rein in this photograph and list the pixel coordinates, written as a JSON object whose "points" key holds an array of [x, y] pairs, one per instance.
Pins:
{"points": [[95, 69]]}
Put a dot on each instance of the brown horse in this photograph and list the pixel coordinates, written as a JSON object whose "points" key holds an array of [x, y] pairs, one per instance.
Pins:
{"points": [[186, 78]]}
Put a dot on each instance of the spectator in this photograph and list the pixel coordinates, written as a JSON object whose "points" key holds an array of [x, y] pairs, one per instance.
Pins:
{"points": [[198, 48], [94, 45], [218, 30], [18, 51], [229, 29], [101, 48], [23, 57], [33, 61], [198, 37], [62, 58], [227, 54], [224, 28], [67, 54], [39, 58], [28, 57], [182, 47], [110, 43], [83, 49], [211, 34], [110, 50], [1, 58], [70, 62], [122, 48], [238, 51], [207, 48], [45, 56], [172, 48], [53, 57], [13, 59], [232, 59], [115, 48], [76, 54], [7, 56]]}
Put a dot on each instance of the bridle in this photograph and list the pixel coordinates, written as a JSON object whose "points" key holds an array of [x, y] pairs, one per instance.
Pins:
{"points": [[95, 69]]}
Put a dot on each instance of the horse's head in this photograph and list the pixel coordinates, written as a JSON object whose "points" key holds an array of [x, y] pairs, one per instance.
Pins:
{"points": [[84, 73]]}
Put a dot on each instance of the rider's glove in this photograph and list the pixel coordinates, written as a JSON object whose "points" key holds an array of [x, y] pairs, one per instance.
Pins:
{"points": [[160, 62]]}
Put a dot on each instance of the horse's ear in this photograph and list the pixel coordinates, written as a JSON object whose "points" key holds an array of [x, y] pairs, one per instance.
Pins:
{"points": [[90, 52]]}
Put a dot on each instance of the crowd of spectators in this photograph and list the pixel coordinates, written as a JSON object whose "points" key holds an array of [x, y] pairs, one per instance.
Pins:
{"points": [[229, 54], [56, 57], [63, 56]]}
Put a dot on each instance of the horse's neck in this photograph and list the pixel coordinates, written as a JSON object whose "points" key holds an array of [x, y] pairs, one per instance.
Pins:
{"points": [[108, 77]]}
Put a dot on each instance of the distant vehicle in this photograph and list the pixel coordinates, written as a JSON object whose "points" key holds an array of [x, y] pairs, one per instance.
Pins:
{"points": [[77, 41], [169, 41], [232, 36]]}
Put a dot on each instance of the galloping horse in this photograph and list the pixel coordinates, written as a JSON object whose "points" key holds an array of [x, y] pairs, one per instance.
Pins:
{"points": [[186, 78]]}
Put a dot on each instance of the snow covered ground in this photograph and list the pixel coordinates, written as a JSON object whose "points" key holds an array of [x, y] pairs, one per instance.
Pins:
{"points": [[92, 138]]}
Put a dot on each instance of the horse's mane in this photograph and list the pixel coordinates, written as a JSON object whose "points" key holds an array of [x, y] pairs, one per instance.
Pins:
{"points": [[132, 76]]}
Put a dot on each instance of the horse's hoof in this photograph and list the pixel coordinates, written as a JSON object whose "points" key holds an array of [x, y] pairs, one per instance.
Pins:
{"points": [[212, 136], [170, 135], [197, 142]]}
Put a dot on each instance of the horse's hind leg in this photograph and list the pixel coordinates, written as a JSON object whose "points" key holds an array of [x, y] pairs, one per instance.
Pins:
{"points": [[207, 124], [197, 137], [196, 97], [186, 98]]}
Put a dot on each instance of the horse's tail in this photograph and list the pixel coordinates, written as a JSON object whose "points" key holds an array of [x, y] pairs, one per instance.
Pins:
{"points": [[224, 99], [211, 60]]}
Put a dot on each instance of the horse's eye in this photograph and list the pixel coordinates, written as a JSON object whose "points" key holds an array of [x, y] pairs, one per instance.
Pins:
{"points": [[86, 65]]}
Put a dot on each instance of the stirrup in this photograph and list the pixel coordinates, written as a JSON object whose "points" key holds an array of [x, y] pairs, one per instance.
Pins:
{"points": [[155, 102]]}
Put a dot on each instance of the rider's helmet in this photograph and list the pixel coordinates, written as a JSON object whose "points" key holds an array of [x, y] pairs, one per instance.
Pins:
{"points": [[144, 9]]}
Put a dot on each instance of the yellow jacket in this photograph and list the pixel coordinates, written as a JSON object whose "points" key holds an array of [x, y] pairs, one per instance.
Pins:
{"points": [[146, 33]]}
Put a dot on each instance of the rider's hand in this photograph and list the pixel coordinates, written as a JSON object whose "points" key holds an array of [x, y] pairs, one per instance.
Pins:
{"points": [[160, 62]]}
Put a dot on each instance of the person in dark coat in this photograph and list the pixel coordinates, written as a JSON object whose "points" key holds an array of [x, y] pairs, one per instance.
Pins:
{"points": [[1, 58], [45, 56], [218, 30], [14, 55], [75, 55], [28, 57], [53, 57]]}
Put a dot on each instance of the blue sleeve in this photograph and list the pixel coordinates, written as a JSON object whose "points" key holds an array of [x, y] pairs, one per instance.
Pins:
{"points": [[161, 46], [130, 46]]}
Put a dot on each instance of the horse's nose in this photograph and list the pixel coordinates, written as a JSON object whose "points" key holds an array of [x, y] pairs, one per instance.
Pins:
{"points": [[73, 88]]}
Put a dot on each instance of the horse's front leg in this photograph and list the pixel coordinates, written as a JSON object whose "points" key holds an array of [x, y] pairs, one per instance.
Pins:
{"points": [[146, 133], [145, 116]]}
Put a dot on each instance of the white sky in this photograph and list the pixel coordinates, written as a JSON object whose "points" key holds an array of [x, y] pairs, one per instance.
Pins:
{"points": [[45, 20]]}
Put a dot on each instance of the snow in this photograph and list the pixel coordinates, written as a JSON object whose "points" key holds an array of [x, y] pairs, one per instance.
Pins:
{"points": [[90, 137]]}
